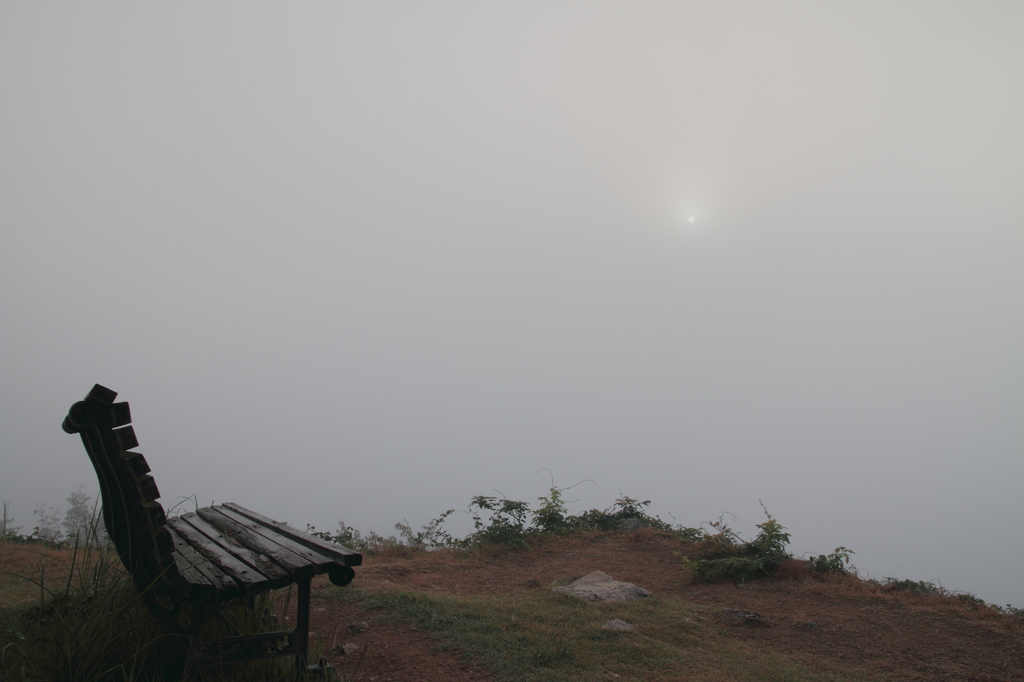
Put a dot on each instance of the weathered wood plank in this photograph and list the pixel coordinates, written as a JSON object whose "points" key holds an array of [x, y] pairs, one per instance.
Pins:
{"points": [[256, 542], [120, 414], [196, 569], [148, 492], [352, 558], [137, 462], [153, 512], [126, 438], [101, 394], [272, 535], [238, 561]]}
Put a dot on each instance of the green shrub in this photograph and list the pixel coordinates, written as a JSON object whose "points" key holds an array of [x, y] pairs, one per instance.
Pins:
{"points": [[501, 521], [506, 524], [624, 508], [836, 562], [1011, 611], [550, 516], [971, 600], [688, 534], [726, 556], [918, 587], [432, 535]]}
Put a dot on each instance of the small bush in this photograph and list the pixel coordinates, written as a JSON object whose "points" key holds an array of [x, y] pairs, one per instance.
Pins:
{"points": [[971, 600], [918, 587], [506, 524], [431, 535], [350, 537], [688, 534], [1011, 611], [550, 516], [836, 562], [501, 521], [726, 556]]}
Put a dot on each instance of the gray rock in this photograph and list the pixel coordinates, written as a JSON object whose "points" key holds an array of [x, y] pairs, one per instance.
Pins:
{"points": [[617, 625], [533, 583], [348, 649], [740, 613], [746, 617], [598, 586]]}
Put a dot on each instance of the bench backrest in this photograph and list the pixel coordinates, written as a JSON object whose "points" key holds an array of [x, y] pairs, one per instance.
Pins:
{"points": [[134, 519]]}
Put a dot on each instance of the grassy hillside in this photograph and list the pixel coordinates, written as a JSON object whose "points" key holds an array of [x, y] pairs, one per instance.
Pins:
{"points": [[482, 605], [430, 607]]}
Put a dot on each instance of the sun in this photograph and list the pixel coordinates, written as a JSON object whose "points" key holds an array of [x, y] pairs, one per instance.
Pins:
{"points": [[691, 220]]}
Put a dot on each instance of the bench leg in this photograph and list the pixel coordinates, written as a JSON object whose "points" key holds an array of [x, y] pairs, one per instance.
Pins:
{"points": [[302, 626], [195, 648]]}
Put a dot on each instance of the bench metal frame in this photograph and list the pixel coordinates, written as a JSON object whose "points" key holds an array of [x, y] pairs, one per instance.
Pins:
{"points": [[212, 555]]}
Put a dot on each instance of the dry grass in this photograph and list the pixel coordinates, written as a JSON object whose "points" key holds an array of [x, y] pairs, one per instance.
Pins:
{"points": [[77, 616], [943, 602], [23, 566], [479, 602]]}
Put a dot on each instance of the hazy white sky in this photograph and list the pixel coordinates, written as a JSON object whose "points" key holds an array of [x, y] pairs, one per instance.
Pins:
{"points": [[362, 262]]}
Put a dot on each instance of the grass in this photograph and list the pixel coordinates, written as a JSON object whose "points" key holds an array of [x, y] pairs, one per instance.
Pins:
{"points": [[76, 616], [22, 566], [86, 623], [551, 637]]}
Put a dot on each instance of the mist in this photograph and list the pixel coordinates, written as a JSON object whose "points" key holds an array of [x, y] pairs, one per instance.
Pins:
{"points": [[361, 262]]}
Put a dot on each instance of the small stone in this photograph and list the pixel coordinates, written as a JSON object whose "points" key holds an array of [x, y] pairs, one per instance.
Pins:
{"points": [[358, 627], [533, 583], [617, 624], [808, 625], [348, 649], [748, 617], [740, 613], [599, 586]]}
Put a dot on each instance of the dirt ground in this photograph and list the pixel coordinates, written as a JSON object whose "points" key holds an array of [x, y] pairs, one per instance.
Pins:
{"points": [[835, 625], [830, 626]]}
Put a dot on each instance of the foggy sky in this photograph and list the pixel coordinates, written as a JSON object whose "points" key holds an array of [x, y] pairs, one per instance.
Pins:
{"points": [[360, 262]]}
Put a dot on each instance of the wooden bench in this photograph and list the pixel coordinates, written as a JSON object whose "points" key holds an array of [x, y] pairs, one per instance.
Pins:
{"points": [[201, 558]]}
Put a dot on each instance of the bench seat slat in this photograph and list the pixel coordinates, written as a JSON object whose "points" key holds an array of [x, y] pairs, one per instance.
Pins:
{"points": [[196, 569], [248, 537], [190, 574], [342, 555], [272, 533], [237, 562]]}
